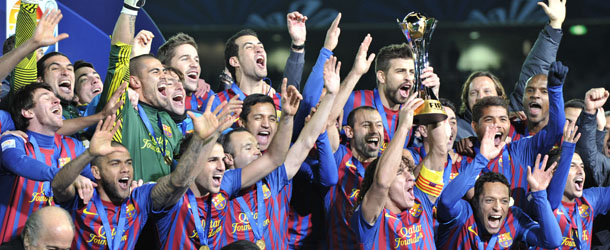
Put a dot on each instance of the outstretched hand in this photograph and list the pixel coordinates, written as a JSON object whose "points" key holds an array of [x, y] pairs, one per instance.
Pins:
{"points": [[101, 142], [332, 35], [362, 63], [290, 99], [44, 32], [570, 132], [540, 178], [210, 123], [488, 148], [296, 27], [332, 80], [556, 11], [557, 74], [142, 43]]}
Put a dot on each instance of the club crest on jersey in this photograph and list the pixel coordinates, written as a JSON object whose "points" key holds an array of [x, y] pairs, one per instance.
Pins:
{"points": [[415, 210], [384, 145], [64, 161], [130, 210], [583, 210], [219, 202], [505, 240], [167, 130], [266, 191]]}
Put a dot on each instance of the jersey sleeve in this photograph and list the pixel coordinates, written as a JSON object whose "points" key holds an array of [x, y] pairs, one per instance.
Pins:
{"points": [[365, 232], [327, 174], [560, 177], [546, 233], [16, 161], [349, 106], [141, 196], [599, 198], [26, 71], [597, 165], [231, 182], [294, 68], [6, 122]]}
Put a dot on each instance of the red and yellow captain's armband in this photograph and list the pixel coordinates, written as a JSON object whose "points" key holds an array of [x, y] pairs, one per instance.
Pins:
{"points": [[430, 181]]}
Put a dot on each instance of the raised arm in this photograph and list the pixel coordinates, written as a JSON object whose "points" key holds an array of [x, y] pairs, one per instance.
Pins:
{"points": [[63, 190], [362, 63], [311, 131], [449, 201], [544, 51], [296, 60], [429, 172], [389, 164], [597, 165], [207, 128], [25, 71], [42, 36], [546, 233], [558, 183]]}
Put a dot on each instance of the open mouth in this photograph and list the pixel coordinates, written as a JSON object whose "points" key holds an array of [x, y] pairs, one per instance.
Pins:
{"points": [[178, 99], [56, 110], [579, 183], [161, 89], [124, 183], [96, 91], [263, 137], [65, 86], [535, 108], [404, 90], [217, 179], [493, 221], [192, 75], [498, 138], [260, 61], [372, 142]]}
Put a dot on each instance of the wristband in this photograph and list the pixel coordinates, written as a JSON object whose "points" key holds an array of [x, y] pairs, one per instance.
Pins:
{"points": [[298, 47], [430, 181], [130, 10]]}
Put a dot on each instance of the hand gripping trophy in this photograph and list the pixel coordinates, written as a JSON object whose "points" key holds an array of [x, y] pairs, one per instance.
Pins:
{"points": [[418, 30]]}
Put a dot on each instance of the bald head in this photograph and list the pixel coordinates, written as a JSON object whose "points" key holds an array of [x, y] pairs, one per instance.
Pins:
{"points": [[49, 227]]}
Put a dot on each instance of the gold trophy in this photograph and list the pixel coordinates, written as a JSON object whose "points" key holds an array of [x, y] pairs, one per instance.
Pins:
{"points": [[418, 30]]}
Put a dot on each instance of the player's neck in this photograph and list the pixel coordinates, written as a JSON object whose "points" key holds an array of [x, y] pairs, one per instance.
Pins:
{"points": [[360, 157], [253, 86], [568, 199], [41, 129], [534, 128], [105, 197], [386, 101], [390, 205], [199, 190]]}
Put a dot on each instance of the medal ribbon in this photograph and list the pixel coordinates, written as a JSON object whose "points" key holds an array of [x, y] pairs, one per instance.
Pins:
{"points": [[481, 244], [150, 129], [113, 243], [203, 234], [384, 117], [257, 226], [576, 220]]}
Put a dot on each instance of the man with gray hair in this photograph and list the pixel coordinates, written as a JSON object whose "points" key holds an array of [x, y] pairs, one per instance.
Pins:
{"points": [[48, 228]]}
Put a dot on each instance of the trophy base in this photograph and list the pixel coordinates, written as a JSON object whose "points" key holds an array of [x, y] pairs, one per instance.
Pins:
{"points": [[429, 113]]}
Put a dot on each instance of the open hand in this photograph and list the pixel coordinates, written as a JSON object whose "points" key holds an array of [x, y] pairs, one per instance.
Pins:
{"points": [[332, 80], [332, 35], [296, 27], [290, 99], [44, 32], [540, 178], [362, 63]]}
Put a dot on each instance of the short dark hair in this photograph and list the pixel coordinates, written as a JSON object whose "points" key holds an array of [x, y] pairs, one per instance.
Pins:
{"points": [[389, 52], [77, 65], [488, 101], [369, 177], [554, 156], [135, 64], [231, 48], [352, 115], [241, 245], [40, 65], [175, 71], [447, 103], [97, 159], [24, 99], [575, 103], [489, 177], [8, 45], [165, 53], [252, 100], [225, 139], [471, 77]]}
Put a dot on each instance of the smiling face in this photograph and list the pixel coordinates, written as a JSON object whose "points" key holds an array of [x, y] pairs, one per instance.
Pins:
{"points": [[536, 99], [251, 60], [88, 84], [114, 173], [398, 80], [46, 114], [213, 170], [480, 87], [186, 60], [175, 94], [59, 74], [245, 148], [576, 179], [495, 116], [152, 78], [366, 136], [492, 206], [262, 123]]}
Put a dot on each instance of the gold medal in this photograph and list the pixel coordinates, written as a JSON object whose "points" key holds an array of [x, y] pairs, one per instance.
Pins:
{"points": [[204, 248], [260, 244], [168, 160]]}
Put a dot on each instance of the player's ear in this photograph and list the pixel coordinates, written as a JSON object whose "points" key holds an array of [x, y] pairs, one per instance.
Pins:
{"points": [[95, 170], [27, 113], [349, 132], [229, 163]]}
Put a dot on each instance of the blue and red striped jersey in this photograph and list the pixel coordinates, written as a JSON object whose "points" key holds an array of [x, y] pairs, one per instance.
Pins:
{"points": [[340, 199], [235, 90], [463, 232], [26, 176], [90, 231], [237, 225], [410, 229], [594, 201], [195, 103], [6, 122], [177, 229], [367, 98]]}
